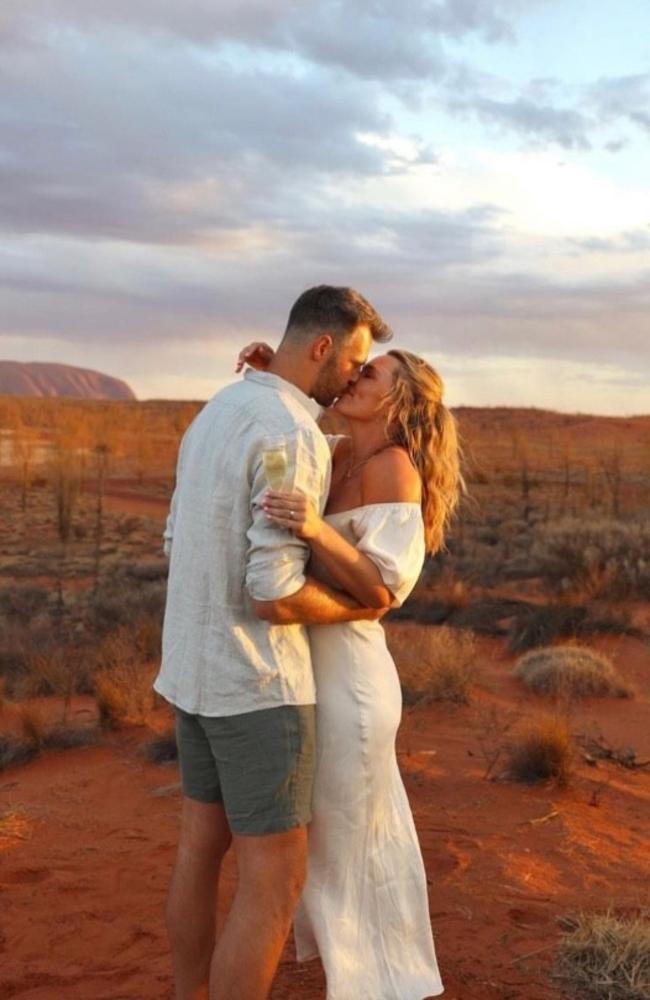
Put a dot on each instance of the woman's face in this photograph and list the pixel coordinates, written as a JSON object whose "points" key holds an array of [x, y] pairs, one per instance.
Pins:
{"points": [[367, 399]]}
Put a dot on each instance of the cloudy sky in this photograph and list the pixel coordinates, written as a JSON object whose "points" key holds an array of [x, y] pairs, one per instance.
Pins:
{"points": [[173, 174]]}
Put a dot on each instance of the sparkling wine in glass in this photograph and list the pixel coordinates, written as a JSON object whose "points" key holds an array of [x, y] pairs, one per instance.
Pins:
{"points": [[275, 458]]}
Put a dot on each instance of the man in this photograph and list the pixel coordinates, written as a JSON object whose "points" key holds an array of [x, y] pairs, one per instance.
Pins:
{"points": [[236, 660]]}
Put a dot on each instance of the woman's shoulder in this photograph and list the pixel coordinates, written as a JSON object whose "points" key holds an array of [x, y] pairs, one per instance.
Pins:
{"points": [[391, 477]]}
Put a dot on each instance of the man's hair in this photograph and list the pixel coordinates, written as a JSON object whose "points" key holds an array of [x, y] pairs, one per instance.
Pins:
{"points": [[337, 311]]}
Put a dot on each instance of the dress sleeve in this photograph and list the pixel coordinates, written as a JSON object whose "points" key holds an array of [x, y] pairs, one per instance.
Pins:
{"points": [[392, 535]]}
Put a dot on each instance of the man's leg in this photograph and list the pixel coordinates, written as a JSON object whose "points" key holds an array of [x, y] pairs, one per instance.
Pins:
{"points": [[271, 873], [192, 902]]}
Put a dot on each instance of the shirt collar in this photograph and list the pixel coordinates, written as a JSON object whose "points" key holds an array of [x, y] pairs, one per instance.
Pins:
{"points": [[271, 381]]}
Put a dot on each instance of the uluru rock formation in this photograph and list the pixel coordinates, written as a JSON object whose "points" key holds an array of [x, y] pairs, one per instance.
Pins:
{"points": [[39, 378]]}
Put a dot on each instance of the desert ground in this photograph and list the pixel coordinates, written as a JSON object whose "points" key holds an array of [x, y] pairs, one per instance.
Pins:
{"points": [[551, 550]]}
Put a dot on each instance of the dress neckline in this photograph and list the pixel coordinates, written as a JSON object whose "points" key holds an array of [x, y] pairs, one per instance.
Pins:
{"points": [[385, 503]]}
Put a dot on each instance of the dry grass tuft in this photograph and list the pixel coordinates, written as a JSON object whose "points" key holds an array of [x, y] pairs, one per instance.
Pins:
{"points": [[535, 626], [33, 725], [571, 672], [112, 700], [434, 664], [541, 751], [123, 684], [606, 958]]}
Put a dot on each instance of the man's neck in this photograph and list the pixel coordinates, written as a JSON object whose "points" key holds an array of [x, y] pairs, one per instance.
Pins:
{"points": [[289, 367]]}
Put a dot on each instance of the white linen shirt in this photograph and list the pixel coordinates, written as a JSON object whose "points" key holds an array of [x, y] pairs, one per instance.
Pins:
{"points": [[218, 658]]}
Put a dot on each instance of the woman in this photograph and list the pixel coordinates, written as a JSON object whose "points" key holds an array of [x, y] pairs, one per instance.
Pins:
{"points": [[395, 484]]}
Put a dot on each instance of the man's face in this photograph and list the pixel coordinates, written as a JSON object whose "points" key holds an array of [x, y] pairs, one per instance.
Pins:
{"points": [[341, 369]]}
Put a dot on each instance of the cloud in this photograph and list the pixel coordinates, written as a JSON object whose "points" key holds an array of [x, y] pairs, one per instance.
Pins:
{"points": [[168, 155], [106, 290], [625, 98], [633, 241], [566, 127], [375, 38]]}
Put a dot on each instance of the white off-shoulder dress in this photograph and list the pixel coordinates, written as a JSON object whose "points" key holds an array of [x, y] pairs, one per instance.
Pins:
{"points": [[364, 908]]}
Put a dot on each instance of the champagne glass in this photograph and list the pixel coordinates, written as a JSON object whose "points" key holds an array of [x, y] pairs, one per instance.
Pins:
{"points": [[275, 458]]}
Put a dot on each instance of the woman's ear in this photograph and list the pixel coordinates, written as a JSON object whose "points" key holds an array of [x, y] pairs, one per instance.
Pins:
{"points": [[321, 347]]}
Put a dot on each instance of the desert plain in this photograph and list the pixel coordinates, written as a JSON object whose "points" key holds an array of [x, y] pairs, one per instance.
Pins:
{"points": [[551, 549]]}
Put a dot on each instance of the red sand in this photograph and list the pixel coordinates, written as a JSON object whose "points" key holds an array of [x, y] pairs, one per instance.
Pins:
{"points": [[87, 838]]}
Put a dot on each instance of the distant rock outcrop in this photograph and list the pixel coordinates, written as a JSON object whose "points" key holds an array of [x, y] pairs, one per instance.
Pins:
{"points": [[39, 378]]}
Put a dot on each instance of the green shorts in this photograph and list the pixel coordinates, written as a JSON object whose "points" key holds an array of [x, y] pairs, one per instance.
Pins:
{"points": [[260, 765]]}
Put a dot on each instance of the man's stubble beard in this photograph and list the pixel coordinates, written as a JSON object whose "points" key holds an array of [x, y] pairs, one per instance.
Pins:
{"points": [[329, 384]]}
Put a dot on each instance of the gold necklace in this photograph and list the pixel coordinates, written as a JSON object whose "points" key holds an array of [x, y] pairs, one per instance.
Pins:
{"points": [[357, 465]]}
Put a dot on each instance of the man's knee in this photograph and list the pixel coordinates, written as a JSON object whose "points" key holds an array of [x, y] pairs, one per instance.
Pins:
{"points": [[274, 865], [204, 836]]}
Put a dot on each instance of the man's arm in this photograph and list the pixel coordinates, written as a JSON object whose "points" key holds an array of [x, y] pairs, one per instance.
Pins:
{"points": [[314, 604]]}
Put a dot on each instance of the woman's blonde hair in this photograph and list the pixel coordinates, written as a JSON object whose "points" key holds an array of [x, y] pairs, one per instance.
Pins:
{"points": [[419, 421]]}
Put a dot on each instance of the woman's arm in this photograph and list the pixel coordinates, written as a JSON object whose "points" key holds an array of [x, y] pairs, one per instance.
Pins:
{"points": [[258, 355], [388, 477]]}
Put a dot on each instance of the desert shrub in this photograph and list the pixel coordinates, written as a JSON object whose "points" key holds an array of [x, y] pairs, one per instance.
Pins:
{"points": [[161, 750], [605, 957], [127, 525], [540, 751], [601, 558], [22, 603], [572, 671], [36, 737], [434, 664], [59, 669], [33, 725], [491, 724], [539, 625], [123, 683], [19, 642], [150, 571], [63, 737], [113, 701], [120, 599]]}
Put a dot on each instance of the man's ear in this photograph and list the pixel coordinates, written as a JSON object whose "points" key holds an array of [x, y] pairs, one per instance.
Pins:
{"points": [[321, 347]]}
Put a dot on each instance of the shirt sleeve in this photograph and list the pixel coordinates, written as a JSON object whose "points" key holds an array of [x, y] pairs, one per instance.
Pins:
{"points": [[333, 440], [392, 535], [276, 559]]}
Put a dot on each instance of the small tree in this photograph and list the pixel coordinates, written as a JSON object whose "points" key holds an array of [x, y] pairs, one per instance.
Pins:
{"points": [[611, 465], [65, 479], [521, 451], [101, 454]]}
